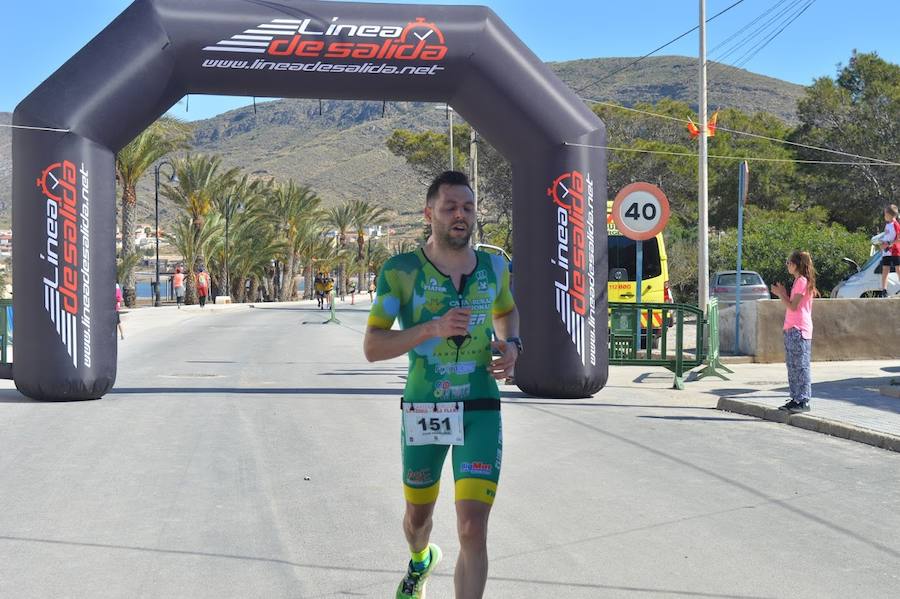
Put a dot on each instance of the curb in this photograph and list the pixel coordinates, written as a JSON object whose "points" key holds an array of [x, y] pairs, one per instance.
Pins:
{"points": [[815, 424], [890, 391], [736, 359]]}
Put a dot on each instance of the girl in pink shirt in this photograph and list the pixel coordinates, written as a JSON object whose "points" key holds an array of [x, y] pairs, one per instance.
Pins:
{"points": [[798, 328], [118, 308]]}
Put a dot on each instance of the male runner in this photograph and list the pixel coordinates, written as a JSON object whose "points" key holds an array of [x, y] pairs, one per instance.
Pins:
{"points": [[319, 287], [450, 300]]}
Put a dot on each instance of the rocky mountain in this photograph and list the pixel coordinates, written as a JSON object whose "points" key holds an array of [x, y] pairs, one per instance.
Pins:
{"points": [[340, 152]]}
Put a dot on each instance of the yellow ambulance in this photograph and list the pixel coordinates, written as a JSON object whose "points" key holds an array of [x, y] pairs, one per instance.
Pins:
{"points": [[622, 287]]}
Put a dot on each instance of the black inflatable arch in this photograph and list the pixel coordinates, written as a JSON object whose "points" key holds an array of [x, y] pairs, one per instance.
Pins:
{"points": [[159, 50]]}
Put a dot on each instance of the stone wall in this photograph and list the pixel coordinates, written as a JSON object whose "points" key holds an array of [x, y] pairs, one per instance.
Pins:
{"points": [[843, 329]]}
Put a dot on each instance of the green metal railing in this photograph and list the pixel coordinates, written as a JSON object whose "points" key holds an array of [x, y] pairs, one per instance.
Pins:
{"points": [[633, 345], [714, 364]]}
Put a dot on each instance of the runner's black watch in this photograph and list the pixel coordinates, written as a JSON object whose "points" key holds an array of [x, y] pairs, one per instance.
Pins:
{"points": [[517, 342]]}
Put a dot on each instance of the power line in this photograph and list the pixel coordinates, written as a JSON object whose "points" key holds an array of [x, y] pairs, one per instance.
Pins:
{"points": [[748, 134], [760, 31], [745, 27], [791, 14], [652, 52], [742, 61], [26, 127], [749, 158]]}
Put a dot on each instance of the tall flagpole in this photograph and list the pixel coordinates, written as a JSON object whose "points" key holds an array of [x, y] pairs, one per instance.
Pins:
{"points": [[703, 192]]}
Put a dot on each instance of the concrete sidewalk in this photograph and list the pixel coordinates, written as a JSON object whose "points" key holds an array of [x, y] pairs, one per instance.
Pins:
{"points": [[848, 400]]}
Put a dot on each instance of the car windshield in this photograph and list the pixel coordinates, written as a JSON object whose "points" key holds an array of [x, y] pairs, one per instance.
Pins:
{"points": [[623, 254], [747, 278], [875, 261]]}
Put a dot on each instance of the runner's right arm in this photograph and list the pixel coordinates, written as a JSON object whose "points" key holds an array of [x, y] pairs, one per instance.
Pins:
{"points": [[384, 344], [393, 291]]}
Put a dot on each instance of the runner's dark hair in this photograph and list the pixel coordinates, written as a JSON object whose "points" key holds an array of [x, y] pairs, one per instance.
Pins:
{"points": [[445, 178]]}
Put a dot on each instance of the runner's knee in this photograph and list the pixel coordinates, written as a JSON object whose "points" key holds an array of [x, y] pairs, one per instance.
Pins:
{"points": [[472, 530], [418, 516]]}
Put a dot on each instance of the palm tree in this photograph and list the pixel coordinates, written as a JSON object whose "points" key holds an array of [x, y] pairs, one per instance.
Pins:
{"points": [[317, 253], [162, 137], [309, 243], [192, 243], [255, 244], [242, 202], [365, 215], [377, 257], [201, 180], [125, 266], [295, 210], [341, 219]]}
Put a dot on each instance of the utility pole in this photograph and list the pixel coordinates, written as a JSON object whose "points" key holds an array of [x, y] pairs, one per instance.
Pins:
{"points": [[473, 174], [450, 112], [473, 162], [703, 192]]}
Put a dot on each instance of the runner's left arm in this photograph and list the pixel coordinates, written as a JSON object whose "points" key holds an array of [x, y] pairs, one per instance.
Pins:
{"points": [[506, 324]]}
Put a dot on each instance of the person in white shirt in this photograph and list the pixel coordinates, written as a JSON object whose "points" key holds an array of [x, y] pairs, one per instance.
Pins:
{"points": [[890, 246]]}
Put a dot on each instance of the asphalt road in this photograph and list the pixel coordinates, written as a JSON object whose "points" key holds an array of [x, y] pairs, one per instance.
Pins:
{"points": [[190, 481]]}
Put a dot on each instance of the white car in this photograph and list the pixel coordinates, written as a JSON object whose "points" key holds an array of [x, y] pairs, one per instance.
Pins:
{"points": [[866, 281]]}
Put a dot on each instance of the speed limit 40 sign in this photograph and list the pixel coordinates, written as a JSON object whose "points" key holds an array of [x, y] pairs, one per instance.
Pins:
{"points": [[640, 211]]}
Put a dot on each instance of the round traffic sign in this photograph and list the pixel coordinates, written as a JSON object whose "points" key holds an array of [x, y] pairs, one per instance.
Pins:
{"points": [[640, 211]]}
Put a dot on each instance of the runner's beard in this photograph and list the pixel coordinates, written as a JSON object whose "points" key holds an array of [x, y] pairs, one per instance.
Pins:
{"points": [[446, 238]]}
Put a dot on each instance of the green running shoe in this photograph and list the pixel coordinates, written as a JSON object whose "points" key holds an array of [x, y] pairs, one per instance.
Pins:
{"points": [[413, 584]]}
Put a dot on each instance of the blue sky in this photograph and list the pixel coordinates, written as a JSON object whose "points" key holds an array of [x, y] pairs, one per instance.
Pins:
{"points": [[811, 46]]}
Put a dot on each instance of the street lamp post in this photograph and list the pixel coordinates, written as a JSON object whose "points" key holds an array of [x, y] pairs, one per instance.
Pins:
{"points": [[227, 214], [172, 178], [368, 259], [449, 111], [238, 209], [473, 151]]}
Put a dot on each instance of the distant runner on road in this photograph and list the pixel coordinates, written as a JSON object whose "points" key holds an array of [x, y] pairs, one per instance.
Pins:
{"points": [[450, 300], [319, 287]]}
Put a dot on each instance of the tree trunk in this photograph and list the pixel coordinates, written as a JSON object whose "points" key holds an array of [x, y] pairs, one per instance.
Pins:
{"points": [[295, 277], [254, 288], [269, 286], [287, 278], [190, 287], [238, 285], [308, 283], [129, 204], [224, 280]]}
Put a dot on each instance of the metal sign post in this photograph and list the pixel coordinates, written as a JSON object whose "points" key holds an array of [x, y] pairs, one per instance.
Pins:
{"points": [[743, 184], [639, 269]]}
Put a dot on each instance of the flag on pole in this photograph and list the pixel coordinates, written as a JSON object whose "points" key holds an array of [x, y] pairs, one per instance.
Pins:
{"points": [[694, 130], [711, 126]]}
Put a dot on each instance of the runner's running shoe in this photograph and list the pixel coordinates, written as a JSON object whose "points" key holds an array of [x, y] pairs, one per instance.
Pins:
{"points": [[413, 584]]}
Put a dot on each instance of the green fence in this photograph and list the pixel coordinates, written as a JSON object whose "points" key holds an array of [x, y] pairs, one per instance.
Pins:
{"points": [[633, 345], [6, 337], [714, 366]]}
